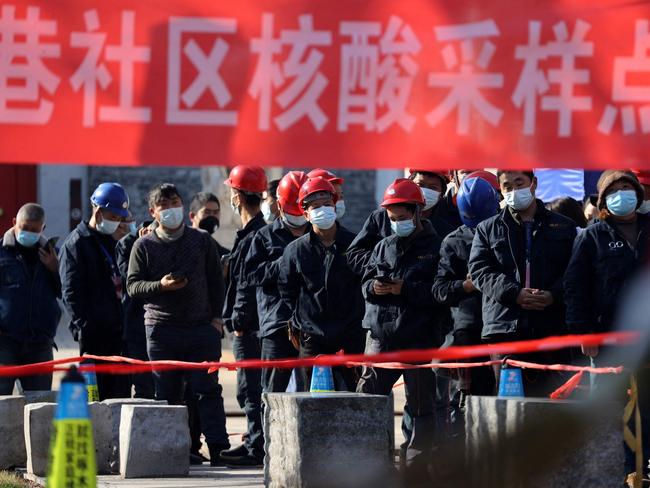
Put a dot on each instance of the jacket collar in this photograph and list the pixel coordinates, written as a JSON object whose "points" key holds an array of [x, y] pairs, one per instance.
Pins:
{"points": [[541, 213], [257, 222], [9, 239]]}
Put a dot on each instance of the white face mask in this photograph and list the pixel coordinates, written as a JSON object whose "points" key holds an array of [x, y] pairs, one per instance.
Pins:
{"points": [[294, 221], [107, 227], [431, 197], [340, 209], [645, 207], [323, 217], [268, 215], [171, 218], [519, 200]]}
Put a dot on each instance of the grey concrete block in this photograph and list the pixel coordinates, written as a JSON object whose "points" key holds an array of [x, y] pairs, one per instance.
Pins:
{"points": [[154, 441], [324, 440], [542, 443], [40, 396], [12, 439], [115, 406], [101, 417], [38, 429], [38, 419]]}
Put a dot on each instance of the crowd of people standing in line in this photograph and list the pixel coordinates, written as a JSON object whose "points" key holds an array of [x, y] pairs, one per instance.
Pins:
{"points": [[485, 263]]}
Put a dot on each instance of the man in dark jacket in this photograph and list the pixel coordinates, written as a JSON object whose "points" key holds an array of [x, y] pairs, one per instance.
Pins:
{"points": [[177, 272], [29, 288], [262, 268], [477, 201], [517, 261], [317, 283], [401, 312], [607, 256], [92, 286], [247, 183], [135, 338]]}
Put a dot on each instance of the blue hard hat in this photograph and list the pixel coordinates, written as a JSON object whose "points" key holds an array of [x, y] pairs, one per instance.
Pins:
{"points": [[477, 201], [112, 197]]}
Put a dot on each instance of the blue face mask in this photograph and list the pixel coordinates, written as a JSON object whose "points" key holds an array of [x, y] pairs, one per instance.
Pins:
{"points": [[171, 218], [27, 239], [402, 228], [323, 217], [133, 228], [622, 202]]}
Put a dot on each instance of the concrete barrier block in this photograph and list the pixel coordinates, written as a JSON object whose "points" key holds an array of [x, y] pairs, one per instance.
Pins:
{"points": [[12, 439], [38, 419], [40, 396], [100, 415], [154, 441], [542, 443], [38, 429], [115, 406], [324, 440]]}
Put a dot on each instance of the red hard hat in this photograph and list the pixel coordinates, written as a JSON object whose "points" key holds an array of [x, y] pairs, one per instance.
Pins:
{"points": [[403, 190], [251, 179], [315, 185], [642, 175], [438, 172], [328, 175], [289, 191], [487, 176]]}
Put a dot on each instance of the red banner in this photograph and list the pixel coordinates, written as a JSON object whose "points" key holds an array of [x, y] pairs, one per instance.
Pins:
{"points": [[351, 83]]}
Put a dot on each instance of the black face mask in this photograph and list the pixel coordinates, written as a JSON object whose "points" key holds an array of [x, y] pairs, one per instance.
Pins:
{"points": [[209, 224]]}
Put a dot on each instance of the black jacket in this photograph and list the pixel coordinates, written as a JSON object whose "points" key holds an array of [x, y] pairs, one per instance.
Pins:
{"points": [[133, 307], [376, 228], [601, 266], [240, 309], [320, 287], [497, 267], [448, 288], [29, 310], [87, 265], [408, 320], [261, 271]]}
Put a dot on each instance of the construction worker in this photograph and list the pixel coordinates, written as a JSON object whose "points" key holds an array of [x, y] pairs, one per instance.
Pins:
{"points": [[319, 286], [337, 183], [247, 184], [517, 261], [477, 201], [377, 226], [401, 312], [92, 285], [262, 268], [433, 184]]}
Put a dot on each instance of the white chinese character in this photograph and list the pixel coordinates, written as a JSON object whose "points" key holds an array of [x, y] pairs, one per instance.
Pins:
{"points": [[21, 60], [625, 93], [299, 97], [369, 81], [207, 67], [92, 71], [466, 84], [533, 82]]}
